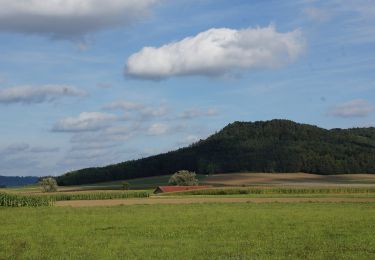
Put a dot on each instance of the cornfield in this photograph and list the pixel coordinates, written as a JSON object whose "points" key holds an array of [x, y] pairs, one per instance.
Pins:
{"points": [[13, 200], [96, 196]]}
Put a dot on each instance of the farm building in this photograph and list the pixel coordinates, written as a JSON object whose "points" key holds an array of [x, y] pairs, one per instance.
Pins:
{"points": [[164, 189]]}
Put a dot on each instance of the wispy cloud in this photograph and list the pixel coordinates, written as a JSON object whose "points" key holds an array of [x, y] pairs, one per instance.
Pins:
{"points": [[138, 111], [125, 105], [317, 14], [353, 108], [195, 112], [86, 121], [39, 94]]}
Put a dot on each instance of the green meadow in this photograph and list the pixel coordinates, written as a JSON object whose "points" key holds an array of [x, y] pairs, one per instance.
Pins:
{"points": [[195, 231]]}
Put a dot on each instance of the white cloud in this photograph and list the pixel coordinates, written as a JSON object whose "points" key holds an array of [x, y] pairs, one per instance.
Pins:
{"points": [[317, 14], [163, 128], [22, 148], [154, 112], [217, 52], [158, 129], [138, 111], [69, 18], [30, 94], [194, 113], [353, 108], [86, 121], [125, 105]]}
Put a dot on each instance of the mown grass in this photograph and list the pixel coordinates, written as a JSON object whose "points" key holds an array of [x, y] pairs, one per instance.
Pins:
{"points": [[197, 231]]}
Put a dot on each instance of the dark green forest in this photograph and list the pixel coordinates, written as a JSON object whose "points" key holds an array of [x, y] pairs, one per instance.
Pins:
{"points": [[263, 146]]}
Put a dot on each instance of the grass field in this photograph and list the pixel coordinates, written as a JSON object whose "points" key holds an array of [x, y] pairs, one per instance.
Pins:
{"points": [[286, 217], [195, 231]]}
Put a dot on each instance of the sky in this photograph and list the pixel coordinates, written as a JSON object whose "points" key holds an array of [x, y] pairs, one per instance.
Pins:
{"points": [[88, 83]]}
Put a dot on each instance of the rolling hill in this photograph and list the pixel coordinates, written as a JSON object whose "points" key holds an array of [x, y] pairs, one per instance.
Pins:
{"points": [[13, 181], [263, 146]]}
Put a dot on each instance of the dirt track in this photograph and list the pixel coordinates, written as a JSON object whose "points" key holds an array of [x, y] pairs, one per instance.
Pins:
{"points": [[116, 202]]}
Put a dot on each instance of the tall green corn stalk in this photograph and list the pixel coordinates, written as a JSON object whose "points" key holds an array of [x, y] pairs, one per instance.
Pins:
{"points": [[13, 200]]}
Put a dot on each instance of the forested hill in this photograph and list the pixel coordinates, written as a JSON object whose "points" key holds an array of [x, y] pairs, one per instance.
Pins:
{"points": [[270, 146], [12, 181]]}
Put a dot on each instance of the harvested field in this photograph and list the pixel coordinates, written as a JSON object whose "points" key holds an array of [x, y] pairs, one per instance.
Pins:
{"points": [[147, 201], [236, 179]]}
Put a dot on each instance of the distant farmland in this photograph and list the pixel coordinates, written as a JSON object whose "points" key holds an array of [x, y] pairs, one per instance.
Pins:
{"points": [[247, 215], [238, 179]]}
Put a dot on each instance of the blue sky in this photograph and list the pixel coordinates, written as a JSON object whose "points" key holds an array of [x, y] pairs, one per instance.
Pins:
{"points": [[85, 84]]}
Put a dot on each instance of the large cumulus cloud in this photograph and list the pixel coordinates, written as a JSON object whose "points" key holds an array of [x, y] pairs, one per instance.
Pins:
{"points": [[216, 52]]}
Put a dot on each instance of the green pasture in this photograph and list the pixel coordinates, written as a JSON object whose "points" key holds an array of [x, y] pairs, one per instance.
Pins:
{"points": [[196, 231]]}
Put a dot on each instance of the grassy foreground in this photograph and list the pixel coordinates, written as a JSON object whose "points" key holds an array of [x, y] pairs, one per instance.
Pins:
{"points": [[196, 231]]}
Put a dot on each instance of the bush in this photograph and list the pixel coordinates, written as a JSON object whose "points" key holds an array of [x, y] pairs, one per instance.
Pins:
{"points": [[184, 178], [125, 185], [48, 184]]}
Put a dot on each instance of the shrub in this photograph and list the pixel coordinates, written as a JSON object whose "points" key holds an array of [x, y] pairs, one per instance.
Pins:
{"points": [[48, 184], [125, 185], [184, 178]]}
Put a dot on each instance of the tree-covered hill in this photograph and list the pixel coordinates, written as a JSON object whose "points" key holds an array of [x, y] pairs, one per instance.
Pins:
{"points": [[270, 146], [13, 181]]}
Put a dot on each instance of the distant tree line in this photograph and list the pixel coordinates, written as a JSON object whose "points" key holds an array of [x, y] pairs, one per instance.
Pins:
{"points": [[270, 146], [13, 181]]}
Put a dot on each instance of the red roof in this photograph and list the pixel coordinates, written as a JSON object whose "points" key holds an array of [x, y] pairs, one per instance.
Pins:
{"points": [[163, 189]]}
